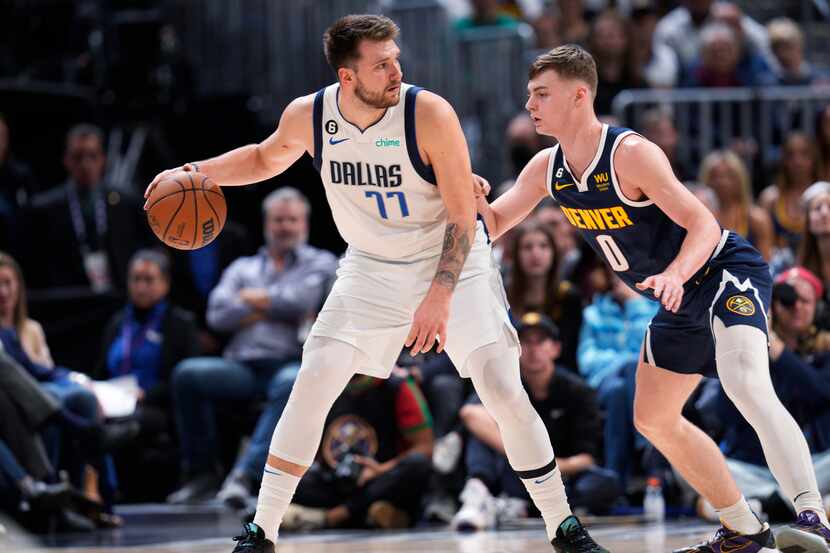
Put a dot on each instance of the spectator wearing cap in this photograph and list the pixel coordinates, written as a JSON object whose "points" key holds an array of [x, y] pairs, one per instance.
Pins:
{"points": [[800, 372], [814, 250], [569, 410]]}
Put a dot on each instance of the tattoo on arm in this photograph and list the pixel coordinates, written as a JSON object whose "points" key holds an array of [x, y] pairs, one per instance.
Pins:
{"points": [[457, 245]]}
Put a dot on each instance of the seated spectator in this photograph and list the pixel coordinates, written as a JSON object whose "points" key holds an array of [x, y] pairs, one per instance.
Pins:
{"points": [[608, 43], [263, 301], [814, 251], [83, 232], [658, 126], [722, 61], [533, 285], [753, 40], [569, 411], [567, 244], [147, 339], [797, 170], [706, 196], [610, 341], [800, 374], [194, 274], [822, 134], [653, 63], [374, 460], [787, 43], [561, 22], [17, 185], [485, 13], [725, 173]]}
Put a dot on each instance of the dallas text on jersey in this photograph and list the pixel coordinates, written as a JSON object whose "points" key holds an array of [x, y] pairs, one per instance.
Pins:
{"points": [[364, 174]]}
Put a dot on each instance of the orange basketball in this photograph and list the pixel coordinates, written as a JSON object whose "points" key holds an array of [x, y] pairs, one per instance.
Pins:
{"points": [[187, 210]]}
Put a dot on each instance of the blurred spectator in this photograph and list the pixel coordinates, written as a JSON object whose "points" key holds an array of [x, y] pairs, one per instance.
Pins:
{"points": [[533, 285], [263, 301], [486, 13], [608, 43], [658, 126], [725, 173], [564, 233], [17, 185], [752, 38], [681, 28], [374, 459], [147, 339], [720, 63], [651, 62], [610, 341], [797, 170], [569, 411], [814, 252], [800, 371], [562, 22], [787, 43], [83, 232], [706, 196], [194, 274], [822, 134]]}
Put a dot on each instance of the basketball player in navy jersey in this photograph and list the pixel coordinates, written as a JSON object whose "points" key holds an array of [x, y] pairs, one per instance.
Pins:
{"points": [[619, 191], [397, 175]]}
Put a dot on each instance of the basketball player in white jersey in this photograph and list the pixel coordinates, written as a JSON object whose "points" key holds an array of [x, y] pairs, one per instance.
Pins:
{"points": [[619, 191], [396, 170]]}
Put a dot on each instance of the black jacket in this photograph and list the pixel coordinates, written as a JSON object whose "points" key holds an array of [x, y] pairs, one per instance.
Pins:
{"points": [[179, 341]]}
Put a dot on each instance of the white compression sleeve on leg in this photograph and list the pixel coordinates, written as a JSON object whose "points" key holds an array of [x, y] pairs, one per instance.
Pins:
{"points": [[743, 368], [494, 370]]}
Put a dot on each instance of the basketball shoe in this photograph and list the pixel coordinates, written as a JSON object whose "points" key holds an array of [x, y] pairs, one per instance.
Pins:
{"points": [[807, 535], [252, 540], [726, 540], [572, 537]]}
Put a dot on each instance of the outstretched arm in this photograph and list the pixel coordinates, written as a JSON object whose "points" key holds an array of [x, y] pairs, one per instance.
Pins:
{"points": [[257, 162], [513, 206], [642, 167]]}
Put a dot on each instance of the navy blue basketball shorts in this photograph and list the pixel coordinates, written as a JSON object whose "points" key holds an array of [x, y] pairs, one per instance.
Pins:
{"points": [[735, 286]]}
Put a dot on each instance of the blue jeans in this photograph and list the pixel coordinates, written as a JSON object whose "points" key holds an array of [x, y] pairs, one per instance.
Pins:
{"points": [[200, 382], [10, 469], [595, 488]]}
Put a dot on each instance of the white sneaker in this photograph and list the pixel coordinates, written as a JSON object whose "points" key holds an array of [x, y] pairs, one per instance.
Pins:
{"points": [[510, 508], [478, 509], [446, 452], [297, 517]]}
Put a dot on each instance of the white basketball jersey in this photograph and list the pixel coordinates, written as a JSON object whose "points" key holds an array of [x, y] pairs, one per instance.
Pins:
{"points": [[383, 197]]}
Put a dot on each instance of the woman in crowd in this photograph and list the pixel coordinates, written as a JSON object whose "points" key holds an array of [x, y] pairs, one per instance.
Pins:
{"points": [[814, 252]]}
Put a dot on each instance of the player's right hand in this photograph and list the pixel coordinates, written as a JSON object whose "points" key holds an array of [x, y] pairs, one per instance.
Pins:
{"points": [[481, 187], [430, 320], [160, 177]]}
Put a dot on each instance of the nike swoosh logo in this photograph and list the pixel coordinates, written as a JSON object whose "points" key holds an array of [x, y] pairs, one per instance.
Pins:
{"points": [[275, 473], [560, 186], [335, 142], [543, 479]]}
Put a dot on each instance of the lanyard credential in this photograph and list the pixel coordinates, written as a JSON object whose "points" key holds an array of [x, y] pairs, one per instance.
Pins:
{"points": [[78, 219]]}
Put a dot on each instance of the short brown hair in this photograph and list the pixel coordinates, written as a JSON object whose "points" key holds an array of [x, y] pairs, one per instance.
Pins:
{"points": [[342, 39], [570, 62]]}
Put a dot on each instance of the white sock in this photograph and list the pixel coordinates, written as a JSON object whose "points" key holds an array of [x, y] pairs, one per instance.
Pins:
{"points": [[811, 501], [740, 518], [548, 493], [275, 495]]}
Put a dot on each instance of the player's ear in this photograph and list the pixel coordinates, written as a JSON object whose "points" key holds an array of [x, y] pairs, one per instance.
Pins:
{"points": [[345, 75], [583, 93]]}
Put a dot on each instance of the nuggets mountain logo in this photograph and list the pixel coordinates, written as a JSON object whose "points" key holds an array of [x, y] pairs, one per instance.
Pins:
{"points": [[741, 305]]}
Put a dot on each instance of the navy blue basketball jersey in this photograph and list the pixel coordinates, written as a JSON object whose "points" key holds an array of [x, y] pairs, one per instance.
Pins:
{"points": [[636, 238]]}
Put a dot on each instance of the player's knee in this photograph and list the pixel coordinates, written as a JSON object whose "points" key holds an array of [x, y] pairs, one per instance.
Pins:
{"points": [[651, 419]]}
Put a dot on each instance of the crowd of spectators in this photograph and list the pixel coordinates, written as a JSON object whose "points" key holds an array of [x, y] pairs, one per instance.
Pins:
{"points": [[193, 351]]}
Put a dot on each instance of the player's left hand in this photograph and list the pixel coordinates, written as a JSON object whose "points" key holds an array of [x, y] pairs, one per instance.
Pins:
{"points": [[481, 186], [430, 320], [668, 289]]}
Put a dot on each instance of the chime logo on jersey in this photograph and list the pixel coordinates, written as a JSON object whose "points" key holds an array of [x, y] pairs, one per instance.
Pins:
{"points": [[741, 305], [364, 174]]}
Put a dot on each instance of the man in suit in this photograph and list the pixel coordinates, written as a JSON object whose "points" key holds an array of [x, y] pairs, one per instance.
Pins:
{"points": [[83, 232]]}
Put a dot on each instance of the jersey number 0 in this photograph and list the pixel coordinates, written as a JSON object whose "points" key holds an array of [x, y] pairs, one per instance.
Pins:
{"points": [[612, 253]]}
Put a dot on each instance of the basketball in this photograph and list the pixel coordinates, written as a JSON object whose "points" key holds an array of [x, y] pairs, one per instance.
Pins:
{"points": [[187, 210]]}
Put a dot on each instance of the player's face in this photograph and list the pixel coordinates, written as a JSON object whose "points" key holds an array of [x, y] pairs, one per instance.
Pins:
{"points": [[538, 351], [818, 216], [286, 225], [9, 290], [84, 160], [535, 254], [146, 284], [378, 74], [550, 100]]}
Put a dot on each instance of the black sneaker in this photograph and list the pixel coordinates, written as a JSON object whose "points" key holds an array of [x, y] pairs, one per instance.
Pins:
{"points": [[253, 540], [572, 537], [729, 540]]}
